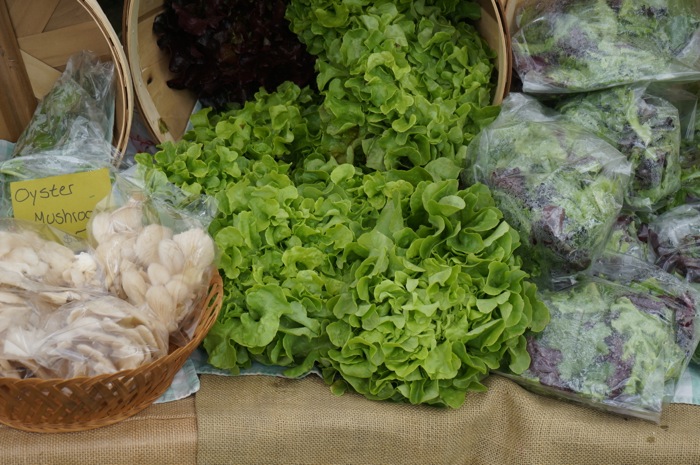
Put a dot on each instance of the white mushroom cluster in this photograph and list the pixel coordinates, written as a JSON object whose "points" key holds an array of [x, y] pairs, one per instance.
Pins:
{"points": [[21, 332], [37, 277], [28, 254], [101, 335], [66, 314], [90, 335], [150, 263]]}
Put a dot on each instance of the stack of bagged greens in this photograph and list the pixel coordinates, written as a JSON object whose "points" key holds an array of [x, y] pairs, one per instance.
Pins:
{"points": [[623, 308]]}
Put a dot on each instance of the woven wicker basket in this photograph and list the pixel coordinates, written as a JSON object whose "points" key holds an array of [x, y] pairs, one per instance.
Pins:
{"points": [[166, 111], [77, 404], [37, 38]]}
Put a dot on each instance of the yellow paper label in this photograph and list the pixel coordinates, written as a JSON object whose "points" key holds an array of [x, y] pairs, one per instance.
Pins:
{"points": [[65, 202]]}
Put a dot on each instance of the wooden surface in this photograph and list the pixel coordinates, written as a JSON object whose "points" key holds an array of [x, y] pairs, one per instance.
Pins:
{"points": [[17, 101], [492, 27], [165, 111]]}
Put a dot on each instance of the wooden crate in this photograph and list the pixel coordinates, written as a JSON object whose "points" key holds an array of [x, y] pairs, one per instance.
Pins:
{"points": [[166, 111], [38, 37]]}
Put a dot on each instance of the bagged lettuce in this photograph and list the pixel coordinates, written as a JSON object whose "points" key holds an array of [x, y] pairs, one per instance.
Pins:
{"points": [[685, 97], [629, 237], [70, 130], [645, 128], [674, 238], [558, 185], [583, 45], [618, 339]]}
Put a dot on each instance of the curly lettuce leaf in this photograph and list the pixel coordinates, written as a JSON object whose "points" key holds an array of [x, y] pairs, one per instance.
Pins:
{"points": [[438, 299], [395, 283], [406, 82]]}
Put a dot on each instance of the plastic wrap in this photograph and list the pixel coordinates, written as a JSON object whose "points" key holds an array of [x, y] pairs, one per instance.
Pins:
{"points": [[582, 45], [71, 129], [41, 270], [645, 128], [34, 255], [675, 293], [686, 97], [558, 185], [81, 101], [62, 314], [101, 335], [156, 251], [20, 333], [615, 344], [674, 238], [629, 237]]}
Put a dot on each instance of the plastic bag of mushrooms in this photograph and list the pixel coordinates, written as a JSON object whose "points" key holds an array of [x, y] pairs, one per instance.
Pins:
{"points": [[71, 307]]}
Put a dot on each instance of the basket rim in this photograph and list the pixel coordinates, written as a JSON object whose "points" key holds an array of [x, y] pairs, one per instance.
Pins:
{"points": [[124, 83]]}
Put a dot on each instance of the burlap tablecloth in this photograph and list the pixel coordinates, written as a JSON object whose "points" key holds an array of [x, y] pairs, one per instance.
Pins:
{"points": [[269, 420], [262, 420]]}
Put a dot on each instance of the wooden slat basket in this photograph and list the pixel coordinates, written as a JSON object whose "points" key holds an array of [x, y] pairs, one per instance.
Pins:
{"points": [[37, 38], [77, 404], [166, 111]]}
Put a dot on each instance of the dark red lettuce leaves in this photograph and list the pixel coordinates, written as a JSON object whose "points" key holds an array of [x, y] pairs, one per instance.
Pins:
{"points": [[226, 50]]}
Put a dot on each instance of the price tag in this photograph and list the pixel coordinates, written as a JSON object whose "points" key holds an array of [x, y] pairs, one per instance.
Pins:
{"points": [[65, 202]]}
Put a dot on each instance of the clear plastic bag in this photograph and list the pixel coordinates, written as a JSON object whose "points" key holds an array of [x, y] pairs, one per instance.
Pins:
{"points": [[645, 128], [685, 97], [71, 129], [677, 295], [104, 334], [41, 270], [69, 310], [582, 45], [154, 246], [613, 342], [558, 185], [629, 237], [674, 239], [34, 255], [81, 101], [20, 333]]}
